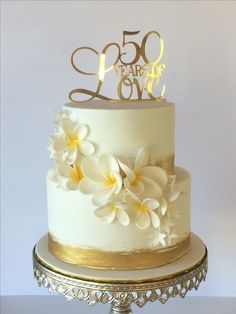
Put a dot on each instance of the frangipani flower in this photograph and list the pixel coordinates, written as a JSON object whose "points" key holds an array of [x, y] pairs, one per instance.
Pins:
{"points": [[70, 175], [112, 211], [145, 211], [143, 179], [102, 178], [70, 142]]}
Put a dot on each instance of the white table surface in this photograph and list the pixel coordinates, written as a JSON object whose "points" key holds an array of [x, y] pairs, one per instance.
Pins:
{"points": [[59, 305]]}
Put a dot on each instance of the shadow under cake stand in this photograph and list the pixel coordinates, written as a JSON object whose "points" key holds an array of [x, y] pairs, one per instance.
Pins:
{"points": [[121, 288]]}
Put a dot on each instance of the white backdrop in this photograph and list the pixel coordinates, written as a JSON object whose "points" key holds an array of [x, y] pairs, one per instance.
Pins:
{"points": [[200, 48]]}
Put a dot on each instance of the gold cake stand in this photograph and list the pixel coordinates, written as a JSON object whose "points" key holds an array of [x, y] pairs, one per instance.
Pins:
{"points": [[121, 288]]}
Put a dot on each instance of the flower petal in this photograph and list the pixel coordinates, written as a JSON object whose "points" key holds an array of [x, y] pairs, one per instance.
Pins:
{"points": [[141, 159], [118, 185], [118, 198], [173, 196], [157, 174], [72, 185], [143, 220], [121, 206], [151, 203], [90, 169], [67, 126], [82, 131], [107, 164], [70, 155], [161, 239], [127, 171], [164, 206], [86, 148], [58, 157], [63, 170], [106, 213], [135, 187], [155, 219], [123, 217], [101, 196], [103, 211], [110, 217], [126, 161], [87, 186], [131, 198], [58, 143], [53, 175], [151, 188]]}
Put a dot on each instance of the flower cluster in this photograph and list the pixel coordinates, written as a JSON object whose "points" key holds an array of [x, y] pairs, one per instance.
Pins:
{"points": [[70, 141], [68, 146], [123, 190]]}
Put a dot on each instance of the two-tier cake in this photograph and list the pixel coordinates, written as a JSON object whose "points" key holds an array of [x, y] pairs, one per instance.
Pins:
{"points": [[116, 200]]}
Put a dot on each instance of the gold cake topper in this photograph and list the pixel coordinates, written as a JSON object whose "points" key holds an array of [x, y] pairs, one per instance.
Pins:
{"points": [[130, 72]]}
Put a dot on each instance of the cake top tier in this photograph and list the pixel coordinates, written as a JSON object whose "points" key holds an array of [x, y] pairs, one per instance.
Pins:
{"points": [[122, 128]]}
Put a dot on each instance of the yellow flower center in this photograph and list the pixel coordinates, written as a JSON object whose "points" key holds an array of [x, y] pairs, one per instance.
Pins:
{"points": [[76, 174], [142, 208], [138, 177], [110, 179], [72, 140], [113, 207]]}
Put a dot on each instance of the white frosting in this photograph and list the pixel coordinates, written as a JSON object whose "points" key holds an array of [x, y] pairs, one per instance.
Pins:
{"points": [[72, 220], [121, 128], [133, 205]]}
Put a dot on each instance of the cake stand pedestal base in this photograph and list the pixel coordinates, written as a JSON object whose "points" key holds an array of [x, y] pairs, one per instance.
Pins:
{"points": [[121, 309], [121, 288]]}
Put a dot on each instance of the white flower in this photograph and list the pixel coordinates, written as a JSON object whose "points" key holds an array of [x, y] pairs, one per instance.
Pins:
{"points": [[102, 178], [113, 210], [55, 177], [147, 181], [145, 211], [161, 238], [69, 177], [70, 142]]}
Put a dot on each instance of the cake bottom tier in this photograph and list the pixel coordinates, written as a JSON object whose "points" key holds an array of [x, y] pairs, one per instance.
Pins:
{"points": [[77, 236]]}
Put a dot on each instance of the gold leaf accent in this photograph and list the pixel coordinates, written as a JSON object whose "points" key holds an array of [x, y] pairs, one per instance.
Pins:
{"points": [[166, 162], [138, 259]]}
